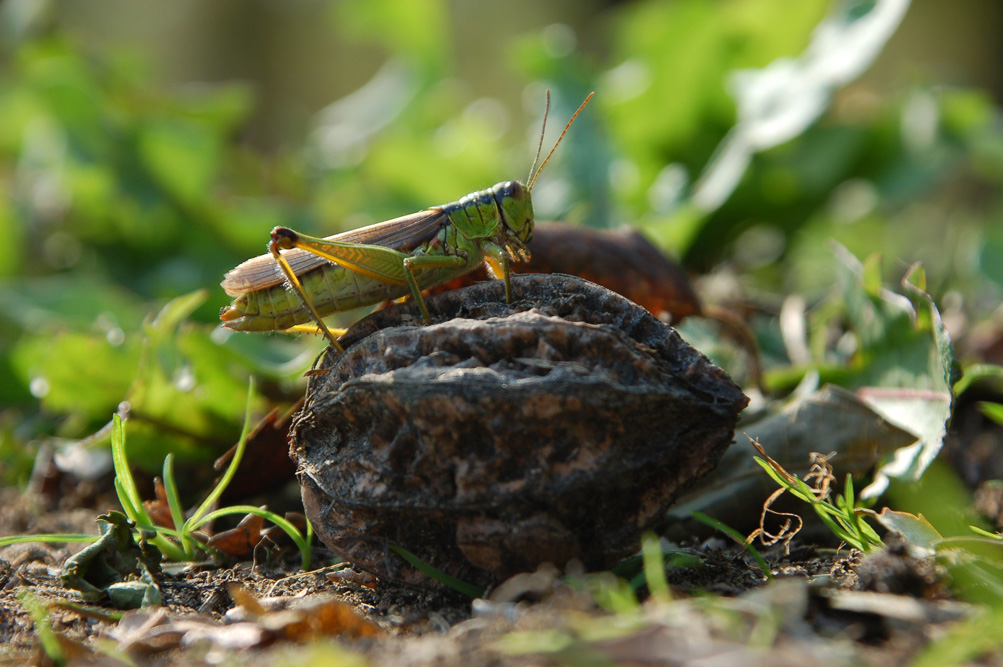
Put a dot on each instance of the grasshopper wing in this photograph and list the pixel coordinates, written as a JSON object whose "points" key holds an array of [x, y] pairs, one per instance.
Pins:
{"points": [[402, 234]]}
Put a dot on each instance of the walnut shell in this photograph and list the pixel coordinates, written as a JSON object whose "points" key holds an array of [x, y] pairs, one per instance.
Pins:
{"points": [[502, 436]]}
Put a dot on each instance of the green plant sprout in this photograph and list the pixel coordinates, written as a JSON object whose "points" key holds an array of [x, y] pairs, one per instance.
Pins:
{"points": [[985, 533], [842, 517], [178, 543]]}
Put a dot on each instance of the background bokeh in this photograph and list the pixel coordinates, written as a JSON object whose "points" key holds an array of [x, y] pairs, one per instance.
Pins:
{"points": [[147, 147]]}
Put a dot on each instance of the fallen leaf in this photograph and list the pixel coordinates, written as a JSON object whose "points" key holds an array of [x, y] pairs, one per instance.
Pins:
{"points": [[159, 509], [828, 420], [622, 260], [239, 542], [305, 621]]}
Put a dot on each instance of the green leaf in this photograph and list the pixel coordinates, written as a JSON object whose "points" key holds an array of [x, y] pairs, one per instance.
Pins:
{"points": [[189, 395], [78, 302], [76, 373], [181, 154], [11, 258], [914, 527], [904, 368]]}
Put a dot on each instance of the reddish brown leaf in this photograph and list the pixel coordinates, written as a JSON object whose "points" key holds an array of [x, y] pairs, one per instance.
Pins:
{"points": [[306, 622], [278, 536], [239, 542], [159, 510], [328, 618], [621, 260]]}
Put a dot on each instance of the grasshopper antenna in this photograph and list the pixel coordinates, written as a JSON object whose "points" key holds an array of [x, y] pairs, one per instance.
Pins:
{"points": [[533, 177], [543, 131]]}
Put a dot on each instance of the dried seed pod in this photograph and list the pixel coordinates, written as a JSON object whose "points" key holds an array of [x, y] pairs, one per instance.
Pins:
{"points": [[503, 436]]}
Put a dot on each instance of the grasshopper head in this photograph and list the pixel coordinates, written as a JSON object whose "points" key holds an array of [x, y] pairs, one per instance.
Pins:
{"points": [[516, 206]]}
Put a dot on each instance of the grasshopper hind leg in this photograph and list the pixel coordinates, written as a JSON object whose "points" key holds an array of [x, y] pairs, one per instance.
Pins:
{"points": [[312, 329], [287, 238]]}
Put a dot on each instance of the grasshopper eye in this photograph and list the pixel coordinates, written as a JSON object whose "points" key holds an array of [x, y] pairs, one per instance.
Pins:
{"points": [[513, 189]]}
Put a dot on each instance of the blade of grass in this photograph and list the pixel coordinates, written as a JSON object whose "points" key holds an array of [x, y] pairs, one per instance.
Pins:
{"points": [[231, 470], [801, 491], [841, 519], [469, 590], [125, 501], [174, 503], [125, 484], [838, 530], [50, 538], [735, 535], [613, 594], [975, 529], [143, 522], [852, 518], [869, 532], [654, 568], [43, 626], [89, 611]]}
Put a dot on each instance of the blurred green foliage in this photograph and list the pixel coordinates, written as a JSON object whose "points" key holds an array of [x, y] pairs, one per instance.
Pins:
{"points": [[118, 194]]}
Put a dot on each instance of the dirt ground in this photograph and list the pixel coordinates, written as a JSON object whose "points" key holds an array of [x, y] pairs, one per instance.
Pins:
{"points": [[823, 606]]}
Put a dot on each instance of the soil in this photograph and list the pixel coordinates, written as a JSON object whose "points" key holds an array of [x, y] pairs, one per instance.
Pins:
{"points": [[822, 606]]}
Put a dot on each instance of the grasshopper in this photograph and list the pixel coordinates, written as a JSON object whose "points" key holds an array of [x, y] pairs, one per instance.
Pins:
{"points": [[385, 261]]}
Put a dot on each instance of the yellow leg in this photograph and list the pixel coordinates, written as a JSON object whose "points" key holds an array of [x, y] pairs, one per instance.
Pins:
{"points": [[384, 264], [273, 247], [497, 259], [313, 329]]}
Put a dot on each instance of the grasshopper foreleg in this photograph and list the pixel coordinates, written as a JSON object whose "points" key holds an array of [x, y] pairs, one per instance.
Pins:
{"points": [[498, 259]]}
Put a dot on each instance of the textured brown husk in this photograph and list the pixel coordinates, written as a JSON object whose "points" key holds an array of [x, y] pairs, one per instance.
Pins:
{"points": [[502, 436]]}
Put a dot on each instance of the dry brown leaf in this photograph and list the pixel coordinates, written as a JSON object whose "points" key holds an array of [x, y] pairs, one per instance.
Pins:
{"points": [[159, 509], [622, 260], [305, 622], [240, 541]]}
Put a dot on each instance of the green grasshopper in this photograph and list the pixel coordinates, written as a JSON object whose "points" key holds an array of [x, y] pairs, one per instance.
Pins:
{"points": [[385, 261]]}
